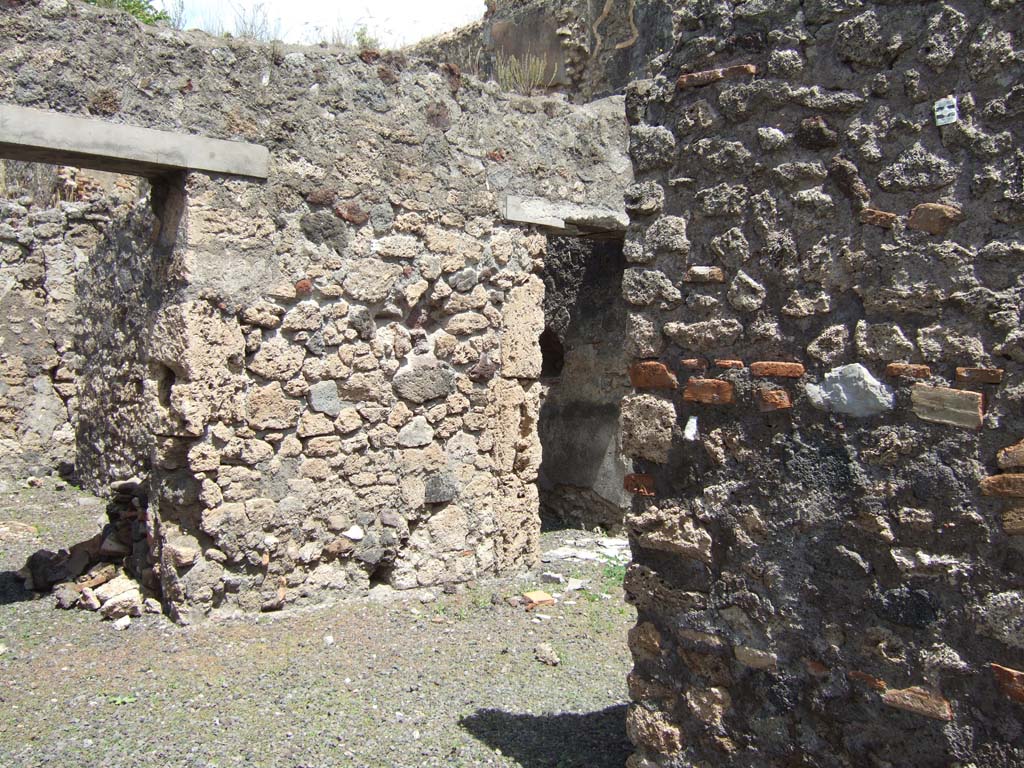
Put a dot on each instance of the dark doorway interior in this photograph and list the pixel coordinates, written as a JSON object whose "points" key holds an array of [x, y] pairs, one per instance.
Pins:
{"points": [[585, 377]]}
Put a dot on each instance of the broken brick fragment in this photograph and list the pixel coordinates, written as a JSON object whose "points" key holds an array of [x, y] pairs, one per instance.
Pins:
{"points": [[652, 375], [303, 287], [708, 76], [352, 213], [639, 484], [773, 400], [694, 363], [709, 392], [869, 680], [907, 371], [934, 218], [979, 375], [1010, 682], [777, 369], [729, 364], [877, 218]]}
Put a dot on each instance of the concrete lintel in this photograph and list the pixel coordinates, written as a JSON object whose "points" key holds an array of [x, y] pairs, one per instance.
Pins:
{"points": [[52, 137], [563, 217]]}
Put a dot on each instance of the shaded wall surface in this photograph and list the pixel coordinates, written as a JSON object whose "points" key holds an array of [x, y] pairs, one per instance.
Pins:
{"points": [[342, 368], [828, 386], [584, 373], [589, 48], [70, 401]]}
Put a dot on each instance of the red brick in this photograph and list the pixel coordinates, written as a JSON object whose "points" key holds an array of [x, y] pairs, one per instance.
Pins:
{"points": [[729, 363], [1003, 485], [641, 485], [352, 213], [773, 400], [1010, 682], [1011, 456], [979, 375], [934, 218], [869, 680], [908, 371], [708, 76], [877, 218], [694, 363], [920, 701], [777, 369], [710, 391], [652, 375], [303, 287]]}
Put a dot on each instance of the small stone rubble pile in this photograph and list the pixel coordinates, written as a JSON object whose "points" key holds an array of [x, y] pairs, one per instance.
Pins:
{"points": [[111, 572]]}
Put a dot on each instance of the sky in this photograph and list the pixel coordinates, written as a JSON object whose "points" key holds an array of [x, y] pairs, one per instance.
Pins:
{"points": [[393, 22]]}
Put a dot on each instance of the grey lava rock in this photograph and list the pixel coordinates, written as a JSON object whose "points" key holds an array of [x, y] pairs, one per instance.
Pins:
{"points": [[851, 390]]}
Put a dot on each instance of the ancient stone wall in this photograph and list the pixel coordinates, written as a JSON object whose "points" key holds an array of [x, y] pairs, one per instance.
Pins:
{"points": [[828, 387], [342, 367], [52, 381], [589, 48]]}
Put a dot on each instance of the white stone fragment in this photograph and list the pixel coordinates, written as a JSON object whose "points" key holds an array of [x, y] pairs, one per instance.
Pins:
{"points": [[355, 533], [851, 390], [690, 432]]}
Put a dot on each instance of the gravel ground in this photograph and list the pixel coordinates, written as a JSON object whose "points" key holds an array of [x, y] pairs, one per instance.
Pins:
{"points": [[390, 681]]}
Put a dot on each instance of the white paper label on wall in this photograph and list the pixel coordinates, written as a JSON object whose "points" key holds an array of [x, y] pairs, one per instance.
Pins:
{"points": [[946, 111]]}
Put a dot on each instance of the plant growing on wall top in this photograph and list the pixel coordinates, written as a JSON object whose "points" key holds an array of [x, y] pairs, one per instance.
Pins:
{"points": [[523, 74], [142, 10]]}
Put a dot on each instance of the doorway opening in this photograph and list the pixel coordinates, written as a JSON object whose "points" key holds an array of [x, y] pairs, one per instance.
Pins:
{"points": [[584, 375]]}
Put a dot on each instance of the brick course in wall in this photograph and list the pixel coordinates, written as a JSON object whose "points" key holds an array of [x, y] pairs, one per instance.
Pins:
{"points": [[830, 570]]}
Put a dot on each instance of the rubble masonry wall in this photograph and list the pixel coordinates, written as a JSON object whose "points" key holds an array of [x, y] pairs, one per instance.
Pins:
{"points": [[828, 387], [341, 368]]}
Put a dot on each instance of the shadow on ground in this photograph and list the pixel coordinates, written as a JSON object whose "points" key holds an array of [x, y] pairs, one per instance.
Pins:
{"points": [[12, 590], [567, 740]]}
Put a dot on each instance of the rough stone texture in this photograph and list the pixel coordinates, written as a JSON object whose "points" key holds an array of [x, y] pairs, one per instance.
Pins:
{"points": [[857, 584], [72, 379], [591, 49], [351, 345]]}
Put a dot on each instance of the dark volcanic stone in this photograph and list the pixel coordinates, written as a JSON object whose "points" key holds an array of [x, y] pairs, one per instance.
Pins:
{"points": [[814, 133], [909, 607]]}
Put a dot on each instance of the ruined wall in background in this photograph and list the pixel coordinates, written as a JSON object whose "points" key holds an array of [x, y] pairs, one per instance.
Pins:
{"points": [[584, 375], [343, 370], [591, 48], [48, 259], [828, 389]]}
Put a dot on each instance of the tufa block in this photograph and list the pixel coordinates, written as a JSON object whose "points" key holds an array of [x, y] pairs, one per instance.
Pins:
{"points": [[1003, 485], [941, 405], [920, 701]]}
